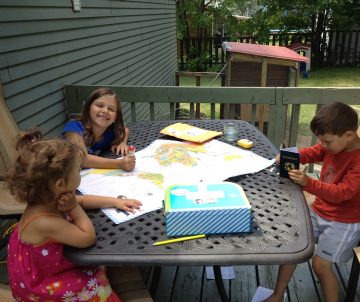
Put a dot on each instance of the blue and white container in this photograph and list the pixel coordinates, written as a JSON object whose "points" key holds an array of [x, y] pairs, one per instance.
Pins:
{"points": [[202, 208]]}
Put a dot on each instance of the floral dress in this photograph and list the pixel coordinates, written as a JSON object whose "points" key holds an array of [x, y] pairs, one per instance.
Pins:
{"points": [[42, 273]]}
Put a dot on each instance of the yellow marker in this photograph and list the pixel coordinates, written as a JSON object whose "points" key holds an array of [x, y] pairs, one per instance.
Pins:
{"points": [[245, 143], [179, 239]]}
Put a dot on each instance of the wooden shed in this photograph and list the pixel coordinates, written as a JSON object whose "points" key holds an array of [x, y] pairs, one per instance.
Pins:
{"points": [[253, 65]]}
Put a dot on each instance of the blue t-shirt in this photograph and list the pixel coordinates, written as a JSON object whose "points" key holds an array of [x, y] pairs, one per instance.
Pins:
{"points": [[97, 147]]}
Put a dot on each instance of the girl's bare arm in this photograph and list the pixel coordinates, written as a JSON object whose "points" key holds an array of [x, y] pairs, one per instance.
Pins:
{"points": [[79, 232], [94, 161], [127, 163], [95, 202], [126, 136]]}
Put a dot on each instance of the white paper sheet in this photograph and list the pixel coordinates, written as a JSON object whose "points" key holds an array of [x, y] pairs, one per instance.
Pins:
{"points": [[227, 272], [263, 293]]}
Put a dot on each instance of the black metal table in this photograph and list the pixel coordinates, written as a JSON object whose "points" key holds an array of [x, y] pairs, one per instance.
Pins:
{"points": [[282, 228]]}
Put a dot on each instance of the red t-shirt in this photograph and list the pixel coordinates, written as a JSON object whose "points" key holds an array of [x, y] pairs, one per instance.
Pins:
{"points": [[338, 189]]}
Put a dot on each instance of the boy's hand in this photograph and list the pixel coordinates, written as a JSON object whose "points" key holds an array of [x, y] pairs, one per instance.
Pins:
{"points": [[66, 202], [127, 163], [299, 177], [129, 205], [121, 149], [277, 159]]}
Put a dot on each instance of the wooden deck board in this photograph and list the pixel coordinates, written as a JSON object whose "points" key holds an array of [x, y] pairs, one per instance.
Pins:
{"points": [[303, 285], [210, 292], [267, 275], [190, 284], [245, 284], [166, 283]]}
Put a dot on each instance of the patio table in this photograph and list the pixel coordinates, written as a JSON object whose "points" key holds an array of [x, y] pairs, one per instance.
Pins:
{"points": [[281, 234]]}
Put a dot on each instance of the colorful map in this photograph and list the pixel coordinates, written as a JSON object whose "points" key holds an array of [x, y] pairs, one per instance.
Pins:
{"points": [[156, 178], [170, 153], [164, 163]]}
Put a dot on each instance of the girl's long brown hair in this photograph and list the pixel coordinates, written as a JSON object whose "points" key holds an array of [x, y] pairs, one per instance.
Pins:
{"points": [[118, 126]]}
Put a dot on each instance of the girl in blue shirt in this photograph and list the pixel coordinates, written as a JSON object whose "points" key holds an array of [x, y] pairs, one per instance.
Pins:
{"points": [[101, 127]]}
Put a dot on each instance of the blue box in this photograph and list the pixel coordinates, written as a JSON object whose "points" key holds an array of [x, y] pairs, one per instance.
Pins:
{"points": [[207, 209]]}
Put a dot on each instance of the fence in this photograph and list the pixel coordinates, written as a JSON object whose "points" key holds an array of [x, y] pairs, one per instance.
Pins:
{"points": [[335, 48]]}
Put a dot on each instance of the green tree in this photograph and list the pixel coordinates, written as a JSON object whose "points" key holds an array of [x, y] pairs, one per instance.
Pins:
{"points": [[312, 16], [195, 19]]}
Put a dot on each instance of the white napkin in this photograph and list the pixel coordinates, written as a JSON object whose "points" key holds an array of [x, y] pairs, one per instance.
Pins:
{"points": [[263, 293]]}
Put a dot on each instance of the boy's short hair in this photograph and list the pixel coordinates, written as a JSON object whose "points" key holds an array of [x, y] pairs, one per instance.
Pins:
{"points": [[335, 118]]}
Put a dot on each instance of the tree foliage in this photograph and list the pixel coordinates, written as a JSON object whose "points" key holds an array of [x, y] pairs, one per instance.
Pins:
{"points": [[309, 16], [197, 18], [306, 14]]}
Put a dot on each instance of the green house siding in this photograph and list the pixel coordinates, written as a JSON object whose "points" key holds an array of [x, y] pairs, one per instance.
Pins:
{"points": [[45, 45]]}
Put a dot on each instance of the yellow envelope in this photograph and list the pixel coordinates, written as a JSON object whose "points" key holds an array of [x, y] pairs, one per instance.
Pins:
{"points": [[189, 133]]}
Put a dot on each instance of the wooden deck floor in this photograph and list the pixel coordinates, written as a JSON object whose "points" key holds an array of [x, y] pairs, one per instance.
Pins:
{"points": [[190, 284]]}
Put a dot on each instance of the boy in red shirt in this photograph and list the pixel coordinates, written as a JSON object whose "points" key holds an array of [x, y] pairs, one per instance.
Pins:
{"points": [[335, 213]]}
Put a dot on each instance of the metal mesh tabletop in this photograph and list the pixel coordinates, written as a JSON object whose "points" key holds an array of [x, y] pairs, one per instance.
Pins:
{"points": [[281, 231]]}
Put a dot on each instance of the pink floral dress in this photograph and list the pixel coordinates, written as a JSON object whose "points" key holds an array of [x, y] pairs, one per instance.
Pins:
{"points": [[42, 273]]}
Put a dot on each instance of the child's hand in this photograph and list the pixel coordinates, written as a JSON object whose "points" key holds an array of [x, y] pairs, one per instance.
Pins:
{"points": [[129, 205], [127, 163], [277, 159], [299, 177], [66, 202], [121, 149]]}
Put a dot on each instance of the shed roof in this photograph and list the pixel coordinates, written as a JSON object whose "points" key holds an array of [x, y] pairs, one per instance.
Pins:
{"points": [[299, 46], [268, 51]]}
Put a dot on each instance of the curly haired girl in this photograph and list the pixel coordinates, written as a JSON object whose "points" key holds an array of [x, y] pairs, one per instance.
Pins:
{"points": [[45, 176]]}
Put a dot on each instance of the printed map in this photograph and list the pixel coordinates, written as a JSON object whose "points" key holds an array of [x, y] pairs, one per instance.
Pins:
{"points": [[165, 163], [169, 153]]}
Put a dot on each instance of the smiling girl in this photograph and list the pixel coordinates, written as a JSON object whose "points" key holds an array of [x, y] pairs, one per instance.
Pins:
{"points": [[101, 127]]}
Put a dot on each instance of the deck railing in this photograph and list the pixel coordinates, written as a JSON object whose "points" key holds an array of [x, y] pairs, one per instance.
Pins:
{"points": [[284, 103]]}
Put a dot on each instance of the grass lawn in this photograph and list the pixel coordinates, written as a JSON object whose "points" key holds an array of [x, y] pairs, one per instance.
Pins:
{"points": [[324, 77], [332, 77], [205, 81]]}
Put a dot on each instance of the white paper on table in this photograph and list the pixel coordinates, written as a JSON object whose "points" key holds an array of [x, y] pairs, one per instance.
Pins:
{"points": [[165, 163], [263, 293], [133, 185], [227, 272], [212, 161]]}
